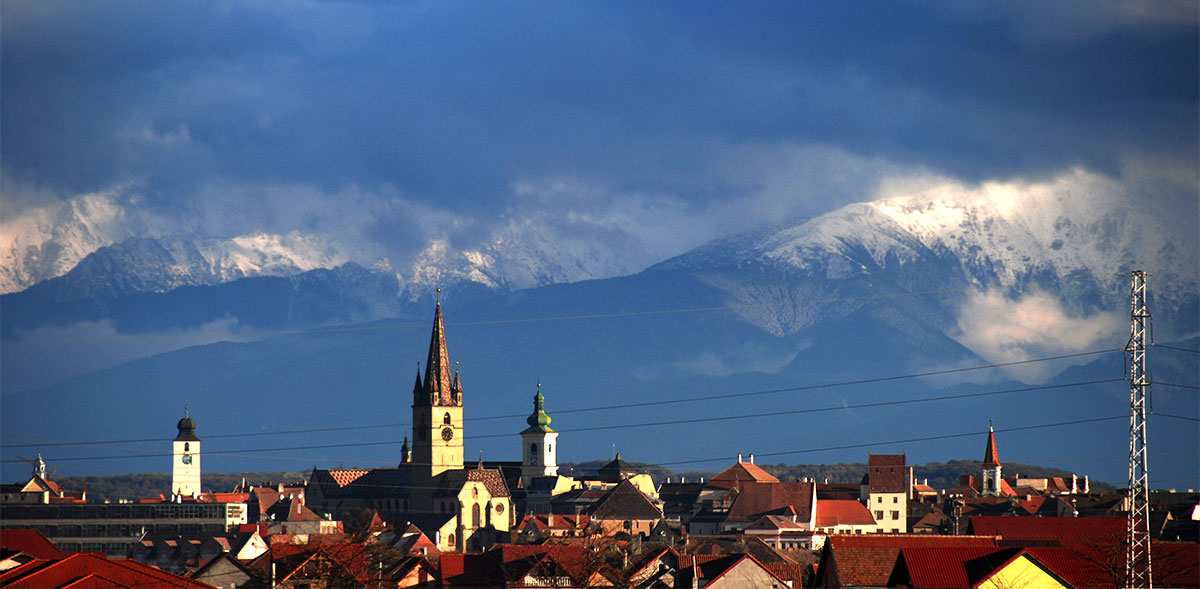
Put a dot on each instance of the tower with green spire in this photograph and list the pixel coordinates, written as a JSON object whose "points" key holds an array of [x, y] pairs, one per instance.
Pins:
{"points": [[538, 441]]}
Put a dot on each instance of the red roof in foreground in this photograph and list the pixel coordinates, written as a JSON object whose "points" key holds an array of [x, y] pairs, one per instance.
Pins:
{"points": [[1088, 532], [869, 559], [31, 542], [91, 570]]}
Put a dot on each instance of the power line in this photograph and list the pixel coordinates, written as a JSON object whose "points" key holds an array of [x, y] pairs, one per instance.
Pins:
{"points": [[1183, 417], [629, 426], [611, 407], [1180, 386], [905, 441], [1175, 348]]}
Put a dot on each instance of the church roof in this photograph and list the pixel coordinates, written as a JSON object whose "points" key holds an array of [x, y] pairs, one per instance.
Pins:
{"points": [[492, 480], [539, 422], [187, 429], [439, 388], [991, 458]]}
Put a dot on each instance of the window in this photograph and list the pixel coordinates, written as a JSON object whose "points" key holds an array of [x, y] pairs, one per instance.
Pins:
{"points": [[895, 499], [446, 418], [450, 540], [185, 447], [879, 499], [475, 515], [895, 515], [879, 514], [532, 449]]}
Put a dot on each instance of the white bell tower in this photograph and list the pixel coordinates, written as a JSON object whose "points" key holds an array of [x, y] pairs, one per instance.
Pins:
{"points": [[185, 459]]}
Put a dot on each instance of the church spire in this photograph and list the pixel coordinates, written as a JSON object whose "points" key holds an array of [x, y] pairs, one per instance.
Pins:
{"points": [[991, 458], [438, 385]]}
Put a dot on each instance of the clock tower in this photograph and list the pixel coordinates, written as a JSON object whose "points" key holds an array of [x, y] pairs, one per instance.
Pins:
{"points": [[185, 460], [437, 412]]}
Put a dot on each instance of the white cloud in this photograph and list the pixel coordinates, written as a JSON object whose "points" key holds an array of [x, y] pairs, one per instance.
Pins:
{"points": [[1036, 325]]}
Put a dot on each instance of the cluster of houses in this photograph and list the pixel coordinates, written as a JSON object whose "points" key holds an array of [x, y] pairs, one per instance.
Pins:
{"points": [[435, 520]]}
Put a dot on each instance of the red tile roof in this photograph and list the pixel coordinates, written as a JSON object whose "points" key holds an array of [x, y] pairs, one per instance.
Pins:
{"points": [[868, 560], [835, 512], [31, 542], [948, 567], [344, 477], [756, 499], [1088, 532], [91, 570]]}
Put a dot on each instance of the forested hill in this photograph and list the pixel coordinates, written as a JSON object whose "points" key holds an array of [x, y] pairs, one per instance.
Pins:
{"points": [[941, 476]]}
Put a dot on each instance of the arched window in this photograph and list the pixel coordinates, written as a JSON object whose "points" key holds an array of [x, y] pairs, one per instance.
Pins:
{"points": [[533, 449], [185, 446], [451, 539], [475, 515], [446, 418]]}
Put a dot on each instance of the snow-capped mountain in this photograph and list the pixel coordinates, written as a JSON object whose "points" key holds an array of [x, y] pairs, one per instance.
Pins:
{"points": [[1048, 239], [43, 243], [144, 265]]}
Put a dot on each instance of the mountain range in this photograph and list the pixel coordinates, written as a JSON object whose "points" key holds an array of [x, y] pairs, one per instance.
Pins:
{"points": [[789, 340]]}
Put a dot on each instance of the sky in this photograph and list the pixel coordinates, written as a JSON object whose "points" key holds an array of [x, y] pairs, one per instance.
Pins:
{"points": [[618, 134], [647, 128]]}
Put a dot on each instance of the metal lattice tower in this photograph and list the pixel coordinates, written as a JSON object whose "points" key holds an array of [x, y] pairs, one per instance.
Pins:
{"points": [[1137, 553]]}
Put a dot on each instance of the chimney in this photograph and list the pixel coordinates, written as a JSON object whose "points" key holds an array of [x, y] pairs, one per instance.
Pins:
{"points": [[1074, 483], [739, 456], [751, 458], [1085, 484]]}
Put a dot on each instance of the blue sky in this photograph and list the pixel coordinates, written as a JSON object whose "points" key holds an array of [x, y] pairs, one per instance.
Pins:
{"points": [[236, 117], [628, 131]]}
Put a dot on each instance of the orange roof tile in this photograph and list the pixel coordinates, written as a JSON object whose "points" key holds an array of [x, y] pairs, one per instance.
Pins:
{"points": [[741, 472], [346, 476]]}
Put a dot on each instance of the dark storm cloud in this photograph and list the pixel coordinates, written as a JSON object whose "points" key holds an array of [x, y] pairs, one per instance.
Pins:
{"points": [[452, 103]]}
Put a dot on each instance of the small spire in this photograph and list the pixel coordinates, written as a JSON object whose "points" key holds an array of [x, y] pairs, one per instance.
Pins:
{"points": [[991, 458]]}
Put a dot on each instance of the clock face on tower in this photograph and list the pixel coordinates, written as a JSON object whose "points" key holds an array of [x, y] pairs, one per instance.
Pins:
{"points": [[187, 458], [447, 433]]}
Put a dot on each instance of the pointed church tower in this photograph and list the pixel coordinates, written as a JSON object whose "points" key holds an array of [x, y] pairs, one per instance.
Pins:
{"points": [[185, 462], [991, 466], [437, 412], [538, 441]]}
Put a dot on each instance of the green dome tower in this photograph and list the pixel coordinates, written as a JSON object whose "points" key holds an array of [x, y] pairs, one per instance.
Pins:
{"points": [[538, 441]]}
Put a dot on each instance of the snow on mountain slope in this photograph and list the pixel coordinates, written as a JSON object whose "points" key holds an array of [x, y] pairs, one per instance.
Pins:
{"points": [[1001, 234], [996, 267], [159, 265], [42, 243]]}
